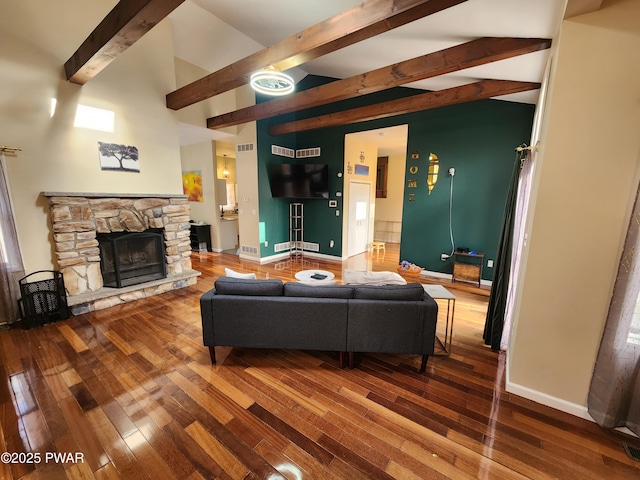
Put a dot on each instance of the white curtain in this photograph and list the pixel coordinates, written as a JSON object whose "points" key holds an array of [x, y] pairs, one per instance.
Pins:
{"points": [[614, 394], [524, 189], [11, 267]]}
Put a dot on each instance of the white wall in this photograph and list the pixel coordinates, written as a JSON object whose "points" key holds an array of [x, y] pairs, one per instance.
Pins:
{"points": [[37, 38], [201, 157], [353, 146], [198, 113], [586, 182], [247, 174]]}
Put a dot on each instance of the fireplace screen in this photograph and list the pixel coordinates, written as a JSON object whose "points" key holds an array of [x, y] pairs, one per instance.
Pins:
{"points": [[129, 258]]}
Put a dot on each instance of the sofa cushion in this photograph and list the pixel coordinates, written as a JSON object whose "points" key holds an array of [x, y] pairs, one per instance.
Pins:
{"points": [[408, 292], [241, 286], [232, 274], [295, 289], [360, 277]]}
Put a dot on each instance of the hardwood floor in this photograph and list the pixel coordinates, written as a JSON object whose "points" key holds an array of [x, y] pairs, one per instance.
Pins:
{"points": [[130, 391]]}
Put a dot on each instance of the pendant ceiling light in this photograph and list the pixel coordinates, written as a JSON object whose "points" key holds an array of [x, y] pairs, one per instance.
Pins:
{"points": [[225, 172], [272, 82]]}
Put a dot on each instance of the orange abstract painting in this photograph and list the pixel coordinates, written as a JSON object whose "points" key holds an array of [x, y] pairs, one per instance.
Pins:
{"points": [[192, 185]]}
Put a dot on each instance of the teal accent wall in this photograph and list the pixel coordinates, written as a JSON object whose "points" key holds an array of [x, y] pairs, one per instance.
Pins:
{"points": [[477, 139]]}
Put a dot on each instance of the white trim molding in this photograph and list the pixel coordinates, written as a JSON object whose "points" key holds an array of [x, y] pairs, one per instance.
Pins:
{"points": [[549, 400]]}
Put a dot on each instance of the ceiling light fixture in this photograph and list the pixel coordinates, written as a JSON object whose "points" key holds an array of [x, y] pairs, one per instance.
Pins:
{"points": [[272, 82], [225, 172]]}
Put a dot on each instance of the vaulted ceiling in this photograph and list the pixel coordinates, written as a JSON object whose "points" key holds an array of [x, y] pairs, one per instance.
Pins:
{"points": [[455, 50]]}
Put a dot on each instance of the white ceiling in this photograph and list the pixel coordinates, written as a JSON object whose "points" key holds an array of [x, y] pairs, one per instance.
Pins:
{"points": [[390, 141], [215, 33]]}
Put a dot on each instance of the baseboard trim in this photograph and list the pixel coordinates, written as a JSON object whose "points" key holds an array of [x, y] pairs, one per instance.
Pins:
{"points": [[549, 400], [242, 256], [286, 255], [559, 404], [323, 256], [274, 258], [429, 273]]}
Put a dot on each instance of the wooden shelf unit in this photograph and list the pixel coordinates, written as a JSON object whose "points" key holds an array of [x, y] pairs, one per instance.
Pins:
{"points": [[467, 267]]}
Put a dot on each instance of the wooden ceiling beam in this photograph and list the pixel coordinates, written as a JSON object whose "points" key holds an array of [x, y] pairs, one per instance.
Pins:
{"points": [[466, 93], [467, 55], [365, 20], [122, 27]]}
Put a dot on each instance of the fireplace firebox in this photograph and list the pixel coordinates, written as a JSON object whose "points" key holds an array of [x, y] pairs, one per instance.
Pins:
{"points": [[129, 258]]}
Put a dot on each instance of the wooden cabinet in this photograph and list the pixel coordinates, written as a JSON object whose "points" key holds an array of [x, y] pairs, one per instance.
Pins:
{"points": [[229, 234], [467, 267], [201, 237]]}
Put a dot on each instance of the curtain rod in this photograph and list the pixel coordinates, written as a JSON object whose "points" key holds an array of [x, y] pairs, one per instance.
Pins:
{"points": [[4, 148], [522, 147]]}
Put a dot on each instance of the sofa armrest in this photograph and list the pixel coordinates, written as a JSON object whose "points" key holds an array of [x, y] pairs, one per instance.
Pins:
{"points": [[206, 315], [392, 326]]}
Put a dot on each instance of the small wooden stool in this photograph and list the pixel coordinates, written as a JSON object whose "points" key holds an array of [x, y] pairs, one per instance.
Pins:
{"points": [[377, 246]]}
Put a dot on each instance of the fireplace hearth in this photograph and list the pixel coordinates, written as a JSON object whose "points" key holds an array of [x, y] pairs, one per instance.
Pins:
{"points": [[78, 220], [129, 258]]}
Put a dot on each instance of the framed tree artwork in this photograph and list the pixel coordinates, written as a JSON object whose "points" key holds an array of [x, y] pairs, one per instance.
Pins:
{"points": [[116, 157]]}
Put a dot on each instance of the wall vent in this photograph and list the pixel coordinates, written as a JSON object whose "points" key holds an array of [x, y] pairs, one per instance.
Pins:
{"points": [[245, 147], [308, 152], [282, 151], [311, 247], [249, 249], [281, 247], [632, 452]]}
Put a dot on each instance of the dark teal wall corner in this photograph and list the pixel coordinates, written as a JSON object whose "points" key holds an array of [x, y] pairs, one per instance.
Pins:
{"points": [[476, 138]]}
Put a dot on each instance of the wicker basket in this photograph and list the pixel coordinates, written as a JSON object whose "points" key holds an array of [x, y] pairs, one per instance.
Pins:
{"points": [[413, 273]]}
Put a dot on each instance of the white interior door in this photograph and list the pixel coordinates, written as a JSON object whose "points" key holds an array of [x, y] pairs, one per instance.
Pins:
{"points": [[359, 208]]}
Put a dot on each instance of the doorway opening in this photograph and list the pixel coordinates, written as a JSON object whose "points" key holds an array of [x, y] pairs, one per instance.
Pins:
{"points": [[368, 215]]}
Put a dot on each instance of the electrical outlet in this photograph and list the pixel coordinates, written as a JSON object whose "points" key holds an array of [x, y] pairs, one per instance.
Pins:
{"points": [[331, 244], [444, 257], [266, 244], [489, 263]]}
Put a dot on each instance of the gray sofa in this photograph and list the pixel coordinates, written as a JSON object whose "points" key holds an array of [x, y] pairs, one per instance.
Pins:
{"points": [[342, 318]]}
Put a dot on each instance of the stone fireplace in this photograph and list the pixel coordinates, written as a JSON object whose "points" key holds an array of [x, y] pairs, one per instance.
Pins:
{"points": [[129, 258], [78, 218]]}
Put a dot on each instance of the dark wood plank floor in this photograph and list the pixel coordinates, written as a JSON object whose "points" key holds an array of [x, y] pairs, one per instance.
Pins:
{"points": [[130, 392]]}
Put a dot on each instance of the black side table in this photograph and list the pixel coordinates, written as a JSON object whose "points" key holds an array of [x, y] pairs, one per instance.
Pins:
{"points": [[201, 237]]}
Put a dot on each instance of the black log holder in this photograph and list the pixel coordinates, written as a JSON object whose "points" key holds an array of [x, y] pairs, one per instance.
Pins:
{"points": [[42, 300]]}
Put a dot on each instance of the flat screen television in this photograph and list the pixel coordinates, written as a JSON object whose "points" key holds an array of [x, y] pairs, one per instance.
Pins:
{"points": [[299, 180]]}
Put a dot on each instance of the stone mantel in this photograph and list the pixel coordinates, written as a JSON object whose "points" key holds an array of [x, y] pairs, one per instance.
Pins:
{"points": [[113, 195], [78, 217]]}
